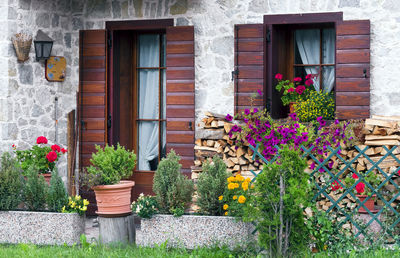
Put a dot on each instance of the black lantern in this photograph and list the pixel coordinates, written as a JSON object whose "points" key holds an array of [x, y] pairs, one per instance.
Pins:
{"points": [[43, 46]]}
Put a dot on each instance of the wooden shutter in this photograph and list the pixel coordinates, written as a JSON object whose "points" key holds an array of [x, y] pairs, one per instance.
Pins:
{"points": [[249, 65], [353, 69], [180, 94], [92, 99]]}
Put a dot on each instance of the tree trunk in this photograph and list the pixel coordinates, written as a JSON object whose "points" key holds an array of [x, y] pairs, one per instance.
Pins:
{"points": [[117, 230], [281, 194]]}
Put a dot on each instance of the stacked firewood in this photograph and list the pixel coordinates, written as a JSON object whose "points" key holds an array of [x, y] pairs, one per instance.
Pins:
{"points": [[212, 139]]}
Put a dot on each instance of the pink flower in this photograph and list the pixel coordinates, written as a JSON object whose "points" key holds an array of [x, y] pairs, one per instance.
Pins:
{"points": [[279, 76], [308, 82], [354, 176], [300, 89], [56, 148], [308, 76], [41, 140], [51, 156], [290, 90], [297, 79], [360, 188]]}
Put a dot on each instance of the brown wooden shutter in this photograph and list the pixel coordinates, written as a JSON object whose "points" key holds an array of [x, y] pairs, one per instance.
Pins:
{"points": [[249, 65], [180, 94], [353, 69], [92, 98]]}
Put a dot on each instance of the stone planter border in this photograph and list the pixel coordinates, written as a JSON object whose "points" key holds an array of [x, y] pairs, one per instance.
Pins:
{"points": [[191, 231], [42, 228]]}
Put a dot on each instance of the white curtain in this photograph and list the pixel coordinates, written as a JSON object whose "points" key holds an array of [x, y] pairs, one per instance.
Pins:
{"points": [[148, 100], [328, 57], [307, 42]]}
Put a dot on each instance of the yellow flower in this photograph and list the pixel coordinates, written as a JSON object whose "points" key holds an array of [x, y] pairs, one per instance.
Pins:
{"points": [[77, 197], [234, 197], [248, 180], [226, 213], [231, 186], [230, 179], [63, 209], [84, 208], [242, 199], [236, 185], [225, 207], [245, 186], [220, 197], [85, 202], [73, 204]]}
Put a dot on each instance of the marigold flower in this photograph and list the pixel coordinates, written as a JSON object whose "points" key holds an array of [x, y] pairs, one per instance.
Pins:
{"points": [[245, 186], [226, 213], [234, 197], [231, 186], [242, 199], [236, 185], [225, 207], [220, 197], [230, 179]]}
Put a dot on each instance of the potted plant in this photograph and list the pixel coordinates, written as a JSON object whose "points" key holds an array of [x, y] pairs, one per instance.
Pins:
{"points": [[41, 156], [362, 191], [293, 91], [109, 166]]}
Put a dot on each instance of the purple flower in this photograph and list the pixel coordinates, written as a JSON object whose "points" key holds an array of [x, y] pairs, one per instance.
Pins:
{"points": [[293, 116], [255, 110], [236, 128], [246, 120], [259, 92], [336, 122], [228, 117], [246, 111], [312, 165]]}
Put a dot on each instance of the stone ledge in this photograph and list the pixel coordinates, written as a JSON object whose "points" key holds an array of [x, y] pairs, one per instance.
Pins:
{"points": [[42, 228], [191, 231]]}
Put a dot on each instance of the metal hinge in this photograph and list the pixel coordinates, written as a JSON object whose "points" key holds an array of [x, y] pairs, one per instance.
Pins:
{"points": [[268, 37], [235, 73], [109, 121], [109, 40]]}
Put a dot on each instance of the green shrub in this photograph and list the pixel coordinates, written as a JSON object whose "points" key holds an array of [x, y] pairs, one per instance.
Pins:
{"points": [[281, 192], [173, 190], [145, 206], [57, 196], [110, 165], [317, 104], [35, 190], [211, 185], [11, 183]]}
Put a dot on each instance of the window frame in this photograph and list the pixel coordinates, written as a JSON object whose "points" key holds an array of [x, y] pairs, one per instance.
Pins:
{"points": [[271, 25]]}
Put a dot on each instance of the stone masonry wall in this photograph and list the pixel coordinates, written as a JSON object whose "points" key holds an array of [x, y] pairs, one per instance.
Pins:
{"points": [[27, 99]]}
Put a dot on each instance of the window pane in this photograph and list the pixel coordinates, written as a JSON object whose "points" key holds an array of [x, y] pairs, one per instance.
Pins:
{"points": [[328, 46], [148, 93], [164, 94], [328, 78], [149, 50], [163, 46], [307, 46], [147, 155], [304, 71]]}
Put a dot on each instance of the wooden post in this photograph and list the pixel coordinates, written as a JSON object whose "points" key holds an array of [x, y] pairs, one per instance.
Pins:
{"points": [[71, 153], [117, 230]]}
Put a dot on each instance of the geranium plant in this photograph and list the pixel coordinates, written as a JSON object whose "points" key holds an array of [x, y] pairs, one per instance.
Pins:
{"points": [[361, 188], [41, 156], [293, 91]]}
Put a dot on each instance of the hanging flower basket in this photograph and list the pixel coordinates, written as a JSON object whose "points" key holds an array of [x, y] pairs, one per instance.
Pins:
{"points": [[22, 44]]}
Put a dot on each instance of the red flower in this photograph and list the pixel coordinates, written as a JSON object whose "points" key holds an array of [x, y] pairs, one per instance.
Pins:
{"points": [[354, 176], [41, 139], [13, 146], [308, 76], [56, 148], [336, 186], [63, 150], [300, 89], [297, 79], [290, 90], [360, 188], [308, 82], [51, 156], [279, 76]]}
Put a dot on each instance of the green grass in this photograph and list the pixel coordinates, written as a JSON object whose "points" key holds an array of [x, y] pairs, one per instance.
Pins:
{"points": [[25, 250]]}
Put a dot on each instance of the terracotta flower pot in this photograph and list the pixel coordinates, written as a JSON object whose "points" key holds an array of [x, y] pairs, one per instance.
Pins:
{"points": [[114, 200], [291, 107], [47, 177], [370, 204]]}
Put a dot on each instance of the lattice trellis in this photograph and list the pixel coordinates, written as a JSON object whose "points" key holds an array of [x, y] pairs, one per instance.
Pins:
{"points": [[334, 177]]}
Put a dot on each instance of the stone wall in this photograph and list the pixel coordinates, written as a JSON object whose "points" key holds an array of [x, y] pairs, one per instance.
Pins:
{"points": [[27, 99]]}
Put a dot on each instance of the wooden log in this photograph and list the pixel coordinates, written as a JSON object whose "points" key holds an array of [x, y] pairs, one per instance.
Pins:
{"points": [[386, 118], [382, 142], [205, 148], [379, 122], [198, 142], [379, 131], [381, 137], [240, 152], [228, 127], [117, 230]]}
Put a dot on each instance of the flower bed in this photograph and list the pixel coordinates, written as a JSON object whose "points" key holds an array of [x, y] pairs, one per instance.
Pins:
{"points": [[43, 228], [190, 231]]}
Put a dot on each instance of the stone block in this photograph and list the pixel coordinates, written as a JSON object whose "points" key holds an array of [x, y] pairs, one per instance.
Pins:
{"points": [[24, 4], [349, 3], [55, 20], [116, 9], [43, 20], [12, 13], [25, 74], [190, 231], [97, 9], [77, 24], [40, 228], [180, 7]]}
